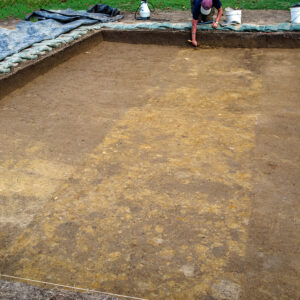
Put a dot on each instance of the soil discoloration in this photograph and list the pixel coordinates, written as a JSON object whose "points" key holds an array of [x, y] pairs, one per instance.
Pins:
{"points": [[149, 184]]}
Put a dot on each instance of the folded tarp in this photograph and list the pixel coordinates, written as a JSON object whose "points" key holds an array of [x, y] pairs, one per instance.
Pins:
{"points": [[100, 12], [51, 25]]}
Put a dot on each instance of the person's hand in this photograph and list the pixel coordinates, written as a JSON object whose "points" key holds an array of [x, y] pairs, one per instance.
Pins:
{"points": [[194, 43], [215, 25]]}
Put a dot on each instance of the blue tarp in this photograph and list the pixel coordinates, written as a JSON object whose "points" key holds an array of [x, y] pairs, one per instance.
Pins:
{"points": [[53, 24], [100, 12]]}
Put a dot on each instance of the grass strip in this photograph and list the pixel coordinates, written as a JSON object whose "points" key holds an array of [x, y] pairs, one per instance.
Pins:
{"points": [[20, 8]]}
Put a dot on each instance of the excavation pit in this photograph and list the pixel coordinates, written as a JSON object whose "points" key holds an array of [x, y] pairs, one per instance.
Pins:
{"points": [[155, 171]]}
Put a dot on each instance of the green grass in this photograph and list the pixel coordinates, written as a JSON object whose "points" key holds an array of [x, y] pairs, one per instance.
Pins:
{"points": [[19, 8]]}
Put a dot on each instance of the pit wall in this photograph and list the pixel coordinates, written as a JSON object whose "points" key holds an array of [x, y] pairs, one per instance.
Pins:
{"points": [[45, 46], [43, 56]]}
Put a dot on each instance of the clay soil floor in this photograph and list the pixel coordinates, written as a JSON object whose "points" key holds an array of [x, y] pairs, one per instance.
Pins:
{"points": [[157, 172]]}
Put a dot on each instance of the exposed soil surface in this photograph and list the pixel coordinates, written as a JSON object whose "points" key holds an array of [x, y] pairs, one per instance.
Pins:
{"points": [[260, 17], [157, 172], [9, 23]]}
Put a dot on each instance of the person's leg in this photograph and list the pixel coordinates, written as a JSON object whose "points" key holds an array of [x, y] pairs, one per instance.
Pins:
{"points": [[192, 5]]}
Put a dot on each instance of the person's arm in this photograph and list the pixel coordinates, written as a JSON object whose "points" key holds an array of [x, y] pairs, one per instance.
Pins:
{"points": [[220, 12], [218, 6], [194, 31], [196, 10]]}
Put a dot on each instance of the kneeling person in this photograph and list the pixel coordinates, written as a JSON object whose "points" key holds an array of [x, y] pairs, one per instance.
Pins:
{"points": [[203, 11]]}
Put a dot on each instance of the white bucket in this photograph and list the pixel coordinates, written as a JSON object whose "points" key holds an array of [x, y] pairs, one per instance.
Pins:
{"points": [[295, 15], [144, 10], [233, 16]]}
